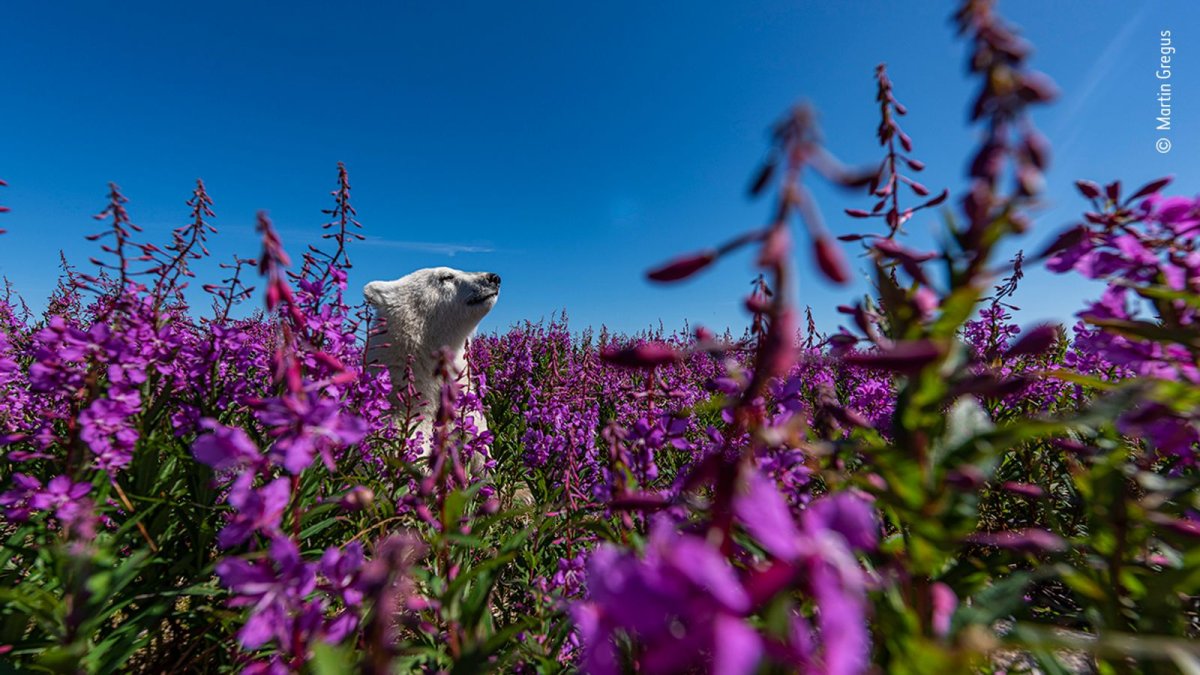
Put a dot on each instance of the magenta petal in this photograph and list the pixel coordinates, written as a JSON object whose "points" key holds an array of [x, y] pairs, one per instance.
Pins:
{"points": [[944, 604], [704, 566], [846, 514], [739, 647], [842, 618], [599, 655], [261, 626], [765, 515]]}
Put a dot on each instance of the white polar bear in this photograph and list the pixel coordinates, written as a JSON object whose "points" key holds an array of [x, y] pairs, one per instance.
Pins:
{"points": [[424, 312]]}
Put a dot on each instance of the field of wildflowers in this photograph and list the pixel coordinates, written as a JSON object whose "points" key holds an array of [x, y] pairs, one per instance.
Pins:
{"points": [[940, 490]]}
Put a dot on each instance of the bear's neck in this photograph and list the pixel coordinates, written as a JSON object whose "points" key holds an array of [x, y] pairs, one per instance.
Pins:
{"points": [[426, 379], [426, 369]]}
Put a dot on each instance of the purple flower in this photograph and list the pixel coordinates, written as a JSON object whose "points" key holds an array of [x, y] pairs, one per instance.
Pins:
{"points": [[226, 447], [16, 502], [822, 550], [848, 515], [765, 514], [68, 500], [7, 364], [106, 426], [680, 601], [1180, 214], [341, 570], [59, 491], [256, 510], [275, 589], [841, 613], [305, 425]]}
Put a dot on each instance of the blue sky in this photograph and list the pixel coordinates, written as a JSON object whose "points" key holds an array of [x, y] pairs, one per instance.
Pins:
{"points": [[567, 146]]}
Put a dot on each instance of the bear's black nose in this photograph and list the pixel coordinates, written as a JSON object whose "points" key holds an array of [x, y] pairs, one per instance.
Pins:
{"points": [[493, 279]]}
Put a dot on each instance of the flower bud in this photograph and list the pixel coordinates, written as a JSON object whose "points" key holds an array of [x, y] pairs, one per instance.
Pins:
{"points": [[646, 355], [775, 247], [1150, 188], [1088, 189], [1036, 341], [1032, 540], [1024, 489], [831, 260], [357, 499], [682, 268], [762, 178], [905, 357]]}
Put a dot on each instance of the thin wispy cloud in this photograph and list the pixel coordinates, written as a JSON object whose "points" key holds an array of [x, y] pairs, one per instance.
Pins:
{"points": [[1101, 69], [446, 249]]}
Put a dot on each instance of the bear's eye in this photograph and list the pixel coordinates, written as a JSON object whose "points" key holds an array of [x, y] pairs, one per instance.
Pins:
{"points": [[446, 277]]}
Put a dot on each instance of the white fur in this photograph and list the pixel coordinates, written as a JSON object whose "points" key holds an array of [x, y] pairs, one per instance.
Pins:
{"points": [[422, 313]]}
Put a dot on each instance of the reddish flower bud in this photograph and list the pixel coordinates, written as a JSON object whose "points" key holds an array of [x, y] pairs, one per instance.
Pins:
{"points": [[915, 164], [1088, 189], [1029, 178], [357, 499], [1032, 540], [926, 301], [945, 602], [857, 213], [831, 260], [1036, 87], [1024, 489], [1069, 239], [910, 260], [682, 268], [639, 502], [645, 355], [903, 357], [1150, 188], [937, 200], [1036, 341], [966, 477], [778, 352], [757, 304], [762, 178], [775, 248], [1189, 528], [1038, 149], [840, 343]]}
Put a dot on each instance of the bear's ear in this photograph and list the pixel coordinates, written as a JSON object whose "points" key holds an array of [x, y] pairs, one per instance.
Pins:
{"points": [[374, 293]]}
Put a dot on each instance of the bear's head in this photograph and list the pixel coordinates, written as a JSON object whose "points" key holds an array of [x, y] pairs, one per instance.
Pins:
{"points": [[434, 307]]}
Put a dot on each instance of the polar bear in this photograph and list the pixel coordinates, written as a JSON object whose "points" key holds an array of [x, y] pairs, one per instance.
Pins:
{"points": [[423, 312]]}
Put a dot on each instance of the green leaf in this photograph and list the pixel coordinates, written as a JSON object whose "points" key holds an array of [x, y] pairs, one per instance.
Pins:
{"points": [[332, 659], [464, 577]]}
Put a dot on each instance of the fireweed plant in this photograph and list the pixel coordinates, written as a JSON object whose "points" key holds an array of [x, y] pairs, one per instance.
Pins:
{"points": [[934, 489]]}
